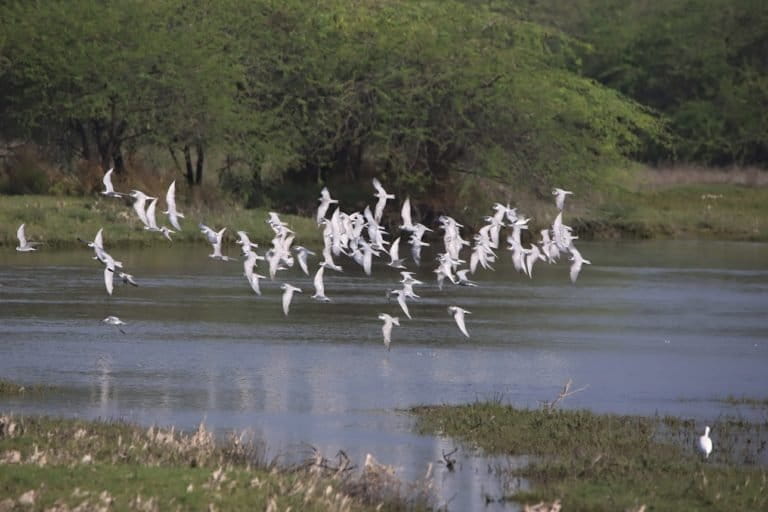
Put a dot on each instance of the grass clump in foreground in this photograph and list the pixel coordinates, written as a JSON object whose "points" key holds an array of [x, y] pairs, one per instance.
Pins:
{"points": [[59, 221], [68, 464], [609, 462]]}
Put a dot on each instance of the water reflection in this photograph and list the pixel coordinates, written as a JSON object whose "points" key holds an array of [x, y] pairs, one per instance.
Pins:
{"points": [[200, 346]]}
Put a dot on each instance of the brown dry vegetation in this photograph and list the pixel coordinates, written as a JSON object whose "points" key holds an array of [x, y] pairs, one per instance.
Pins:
{"points": [[62, 465]]}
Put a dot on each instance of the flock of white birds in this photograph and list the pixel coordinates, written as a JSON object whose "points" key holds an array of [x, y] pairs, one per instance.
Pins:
{"points": [[359, 236], [345, 234]]}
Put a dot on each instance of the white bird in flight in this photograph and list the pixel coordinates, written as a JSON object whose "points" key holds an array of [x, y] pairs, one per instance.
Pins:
{"points": [[577, 262], [405, 213], [288, 291], [24, 244], [401, 295], [560, 197], [386, 329], [319, 286], [301, 255], [113, 320], [325, 202], [140, 205], [170, 200], [383, 196], [458, 315], [394, 255], [704, 443], [109, 189]]}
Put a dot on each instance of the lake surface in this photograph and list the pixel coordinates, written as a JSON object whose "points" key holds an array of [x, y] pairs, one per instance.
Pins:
{"points": [[662, 326]]}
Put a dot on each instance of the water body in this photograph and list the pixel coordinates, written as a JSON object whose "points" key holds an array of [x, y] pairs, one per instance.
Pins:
{"points": [[650, 327]]}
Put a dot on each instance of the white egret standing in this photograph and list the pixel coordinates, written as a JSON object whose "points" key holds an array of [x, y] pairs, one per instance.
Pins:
{"points": [[704, 443]]}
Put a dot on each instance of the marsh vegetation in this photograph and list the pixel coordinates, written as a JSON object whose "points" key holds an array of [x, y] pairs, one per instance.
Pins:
{"points": [[613, 462], [66, 464]]}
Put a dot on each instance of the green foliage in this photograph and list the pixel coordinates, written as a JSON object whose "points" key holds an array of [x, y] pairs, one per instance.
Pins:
{"points": [[297, 97], [700, 62]]}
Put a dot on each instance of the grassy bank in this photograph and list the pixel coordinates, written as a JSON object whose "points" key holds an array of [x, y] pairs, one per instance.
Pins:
{"points": [[686, 211], [607, 462], [115, 466], [59, 221], [702, 211]]}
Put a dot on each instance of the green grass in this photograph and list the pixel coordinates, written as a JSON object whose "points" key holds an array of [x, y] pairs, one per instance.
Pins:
{"points": [[608, 462], [745, 400], [713, 211], [59, 221], [10, 388], [71, 463]]}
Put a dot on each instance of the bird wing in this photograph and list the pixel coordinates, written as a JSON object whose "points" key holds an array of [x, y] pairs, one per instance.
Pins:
{"points": [[287, 296], [458, 315], [98, 240], [403, 305], [151, 219], [138, 206], [575, 269], [379, 211], [378, 187], [107, 180], [170, 197], [405, 213], [319, 286], [109, 275], [560, 200], [20, 235], [394, 250], [302, 256], [253, 279]]}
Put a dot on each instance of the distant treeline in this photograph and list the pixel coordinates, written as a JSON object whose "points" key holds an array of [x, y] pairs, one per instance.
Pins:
{"points": [[702, 63], [298, 93]]}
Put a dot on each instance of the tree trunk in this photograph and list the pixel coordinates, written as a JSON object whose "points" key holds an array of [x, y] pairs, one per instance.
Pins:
{"points": [[194, 168], [200, 163], [188, 164]]}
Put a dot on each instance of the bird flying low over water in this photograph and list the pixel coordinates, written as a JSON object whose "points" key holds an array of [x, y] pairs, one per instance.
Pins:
{"points": [[24, 244], [319, 285], [288, 291], [386, 329], [458, 315], [301, 255], [577, 262], [401, 295], [113, 320]]}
